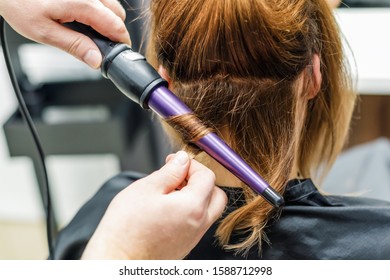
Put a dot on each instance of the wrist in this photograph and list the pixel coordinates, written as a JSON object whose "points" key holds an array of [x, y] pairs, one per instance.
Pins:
{"points": [[101, 247]]}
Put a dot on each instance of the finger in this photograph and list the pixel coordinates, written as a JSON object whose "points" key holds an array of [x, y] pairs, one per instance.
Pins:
{"points": [[116, 7], [169, 157], [217, 204], [171, 175], [184, 183], [75, 43], [201, 181], [96, 15]]}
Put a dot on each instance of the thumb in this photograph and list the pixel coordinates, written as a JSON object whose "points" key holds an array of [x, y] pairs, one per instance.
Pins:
{"points": [[75, 43], [172, 175]]}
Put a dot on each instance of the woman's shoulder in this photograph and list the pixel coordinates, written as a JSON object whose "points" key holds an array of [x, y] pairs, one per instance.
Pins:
{"points": [[312, 225], [317, 226], [305, 193]]}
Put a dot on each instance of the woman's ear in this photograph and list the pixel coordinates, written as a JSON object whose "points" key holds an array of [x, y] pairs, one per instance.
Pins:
{"points": [[164, 74], [316, 77]]}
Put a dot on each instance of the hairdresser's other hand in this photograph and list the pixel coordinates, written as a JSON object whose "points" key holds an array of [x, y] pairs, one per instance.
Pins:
{"points": [[41, 21], [162, 216]]}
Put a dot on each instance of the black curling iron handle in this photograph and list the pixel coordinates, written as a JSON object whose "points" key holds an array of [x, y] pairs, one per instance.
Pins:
{"points": [[127, 69], [104, 44]]}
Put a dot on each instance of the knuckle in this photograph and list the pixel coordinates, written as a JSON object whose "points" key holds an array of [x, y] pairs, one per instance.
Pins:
{"points": [[121, 12], [86, 4], [168, 173], [89, 5], [119, 27], [196, 213], [210, 175], [173, 176], [46, 5], [74, 46], [116, 7], [43, 35]]}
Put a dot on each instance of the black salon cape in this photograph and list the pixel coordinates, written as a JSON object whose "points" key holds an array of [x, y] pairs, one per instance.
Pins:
{"points": [[310, 226]]}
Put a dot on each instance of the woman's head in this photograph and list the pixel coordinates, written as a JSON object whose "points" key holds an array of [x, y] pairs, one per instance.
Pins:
{"points": [[268, 76]]}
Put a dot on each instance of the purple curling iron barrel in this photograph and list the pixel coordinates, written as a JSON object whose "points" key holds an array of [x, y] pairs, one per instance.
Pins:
{"points": [[140, 82]]}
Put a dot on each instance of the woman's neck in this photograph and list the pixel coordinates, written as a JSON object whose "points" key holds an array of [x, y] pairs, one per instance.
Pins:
{"points": [[223, 176], [226, 178]]}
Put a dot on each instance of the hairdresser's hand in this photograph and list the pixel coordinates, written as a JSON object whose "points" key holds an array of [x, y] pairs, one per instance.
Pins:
{"points": [[41, 21], [152, 219]]}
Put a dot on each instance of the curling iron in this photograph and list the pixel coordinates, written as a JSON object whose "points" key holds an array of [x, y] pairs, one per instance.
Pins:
{"points": [[140, 82]]}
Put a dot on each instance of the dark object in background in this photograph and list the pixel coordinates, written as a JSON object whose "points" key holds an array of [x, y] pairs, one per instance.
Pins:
{"points": [[364, 3]]}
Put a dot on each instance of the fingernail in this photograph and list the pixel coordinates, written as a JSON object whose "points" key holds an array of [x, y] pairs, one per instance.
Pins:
{"points": [[93, 58], [181, 158]]}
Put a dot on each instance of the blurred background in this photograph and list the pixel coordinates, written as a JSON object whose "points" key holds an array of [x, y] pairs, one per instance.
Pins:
{"points": [[90, 131]]}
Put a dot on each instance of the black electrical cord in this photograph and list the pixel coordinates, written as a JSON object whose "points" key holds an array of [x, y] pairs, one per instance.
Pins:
{"points": [[26, 116]]}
